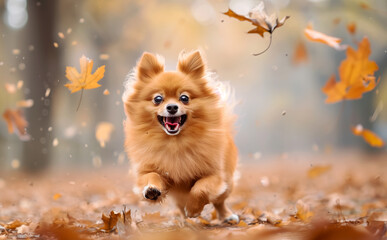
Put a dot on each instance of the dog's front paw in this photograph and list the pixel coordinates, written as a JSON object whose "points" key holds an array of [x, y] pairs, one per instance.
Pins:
{"points": [[150, 192]]}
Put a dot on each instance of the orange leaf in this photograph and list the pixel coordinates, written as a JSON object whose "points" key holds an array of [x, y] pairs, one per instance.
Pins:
{"points": [[258, 17], [84, 79], [351, 27], [315, 36], [300, 53], [110, 222], [371, 138], [356, 75], [15, 118]]}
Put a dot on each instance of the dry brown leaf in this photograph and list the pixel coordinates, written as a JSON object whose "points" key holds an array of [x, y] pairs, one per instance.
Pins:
{"points": [[16, 123], [300, 54], [318, 170], [124, 224], [262, 22], [315, 36], [356, 75], [110, 222], [371, 138], [103, 132]]}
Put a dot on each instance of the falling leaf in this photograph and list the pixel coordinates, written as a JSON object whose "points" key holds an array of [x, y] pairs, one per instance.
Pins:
{"points": [[47, 93], [110, 222], [262, 22], [69, 30], [16, 51], [15, 163], [56, 196], [356, 75], [16, 121], [300, 53], [364, 5], [351, 27], [55, 44], [25, 103], [315, 36], [371, 138], [61, 35], [84, 79], [106, 92], [55, 142], [103, 132], [104, 56], [318, 170], [10, 88], [19, 84]]}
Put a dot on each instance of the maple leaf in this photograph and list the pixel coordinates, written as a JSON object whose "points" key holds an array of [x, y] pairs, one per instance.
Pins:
{"points": [[371, 138], [262, 22], [351, 27], [110, 222], [316, 36], [85, 79], [15, 120], [356, 75]]}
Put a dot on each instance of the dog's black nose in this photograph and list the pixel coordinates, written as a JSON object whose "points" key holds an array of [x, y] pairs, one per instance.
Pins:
{"points": [[172, 108]]}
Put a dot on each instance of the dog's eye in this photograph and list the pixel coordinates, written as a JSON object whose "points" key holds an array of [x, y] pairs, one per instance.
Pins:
{"points": [[184, 99], [157, 100]]}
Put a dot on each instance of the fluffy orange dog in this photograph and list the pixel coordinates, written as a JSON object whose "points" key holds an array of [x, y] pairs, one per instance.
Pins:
{"points": [[179, 135]]}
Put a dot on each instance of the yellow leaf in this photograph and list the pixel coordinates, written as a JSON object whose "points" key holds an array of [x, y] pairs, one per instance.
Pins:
{"points": [[303, 211], [356, 75], [85, 79], [318, 170], [103, 132]]}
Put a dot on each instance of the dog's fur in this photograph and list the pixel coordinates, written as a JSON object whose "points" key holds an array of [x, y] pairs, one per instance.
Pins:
{"points": [[196, 165]]}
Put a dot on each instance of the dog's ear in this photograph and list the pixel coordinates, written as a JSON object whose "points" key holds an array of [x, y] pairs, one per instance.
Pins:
{"points": [[149, 66], [191, 63]]}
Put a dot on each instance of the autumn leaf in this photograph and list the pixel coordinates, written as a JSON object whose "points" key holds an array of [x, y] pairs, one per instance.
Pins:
{"points": [[318, 170], [25, 103], [316, 36], [351, 27], [85, 79], [16, 123], [110, 222], [103, 132], [262, 22], [371, 138], [300, 53], [356, 75]]}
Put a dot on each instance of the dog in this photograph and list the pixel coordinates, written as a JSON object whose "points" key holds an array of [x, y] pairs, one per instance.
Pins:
{"points": [[179, 134]]}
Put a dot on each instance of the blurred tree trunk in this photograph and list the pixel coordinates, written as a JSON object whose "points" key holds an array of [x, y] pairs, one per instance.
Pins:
{"points": [[41, 73]]}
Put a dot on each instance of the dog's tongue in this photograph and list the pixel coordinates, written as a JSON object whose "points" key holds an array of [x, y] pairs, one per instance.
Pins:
{"points": [[172, 123]]}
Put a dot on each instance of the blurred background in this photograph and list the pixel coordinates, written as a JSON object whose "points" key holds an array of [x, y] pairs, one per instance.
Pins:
{"points": [[281, 112]]}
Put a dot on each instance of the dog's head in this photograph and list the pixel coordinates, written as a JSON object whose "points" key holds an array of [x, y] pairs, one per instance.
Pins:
{"points": [[171, 101]]}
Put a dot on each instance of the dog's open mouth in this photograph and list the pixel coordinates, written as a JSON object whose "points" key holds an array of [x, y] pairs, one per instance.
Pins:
{"points": [[172, 125]]}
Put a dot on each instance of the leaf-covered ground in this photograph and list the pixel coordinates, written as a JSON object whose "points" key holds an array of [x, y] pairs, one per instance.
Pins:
{"points": [[340, 196]]}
